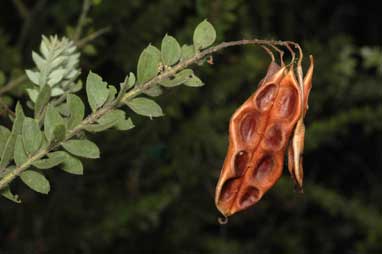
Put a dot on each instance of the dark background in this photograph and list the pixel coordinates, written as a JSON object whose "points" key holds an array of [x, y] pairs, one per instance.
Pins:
{"points": [[152, 190]]}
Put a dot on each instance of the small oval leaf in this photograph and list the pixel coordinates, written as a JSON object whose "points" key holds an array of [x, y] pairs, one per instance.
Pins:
{"points": [[32, 136], [148, 64], [96, 90], [204, 35], [36, 181], [76, 110], [72, 165], [170, 50], [82, 148], [145, 107]]}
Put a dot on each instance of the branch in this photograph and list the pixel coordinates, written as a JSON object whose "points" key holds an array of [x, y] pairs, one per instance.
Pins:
{"points": [[12, 84], [82, 42], [21, 8], [82, 20], [182, 65], [92, 118]]}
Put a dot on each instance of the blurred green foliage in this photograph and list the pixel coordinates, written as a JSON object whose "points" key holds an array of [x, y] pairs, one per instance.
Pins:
{"points": [[152, 190]]}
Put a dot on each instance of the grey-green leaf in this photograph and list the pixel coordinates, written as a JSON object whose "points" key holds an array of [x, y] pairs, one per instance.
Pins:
{"points": [[125, 125], [96, 90], [38, 60], [188, 51], [76, 110], [178, 79], [59, 133], [33, 76], [4, 135], [41, 101], [7, 193], [194, 81], [20, 155], [148, 64], [51, 121], [32, 136], [154, 91], [145, 107], [82, 148], [131, 81], [204, 35], [170, 50], [112, 93], [36, 181], [9, 147], [72, 165], [18, 123], [53, 160], [107, 121]]}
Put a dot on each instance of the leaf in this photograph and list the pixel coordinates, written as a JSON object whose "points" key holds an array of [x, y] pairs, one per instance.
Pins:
{"points": [[8, 150], [194, 81], [76, 110], [170, 50], [107, 121], [72, 165], [204, 35], [112, 117], [33, 76], [7, 193], [112, 93], [41, 101], [82, 148], [51, 121], [33, 94], [38, 60], [36, 181], [125, 125], [178, 79], [56, 91], [44, 47], [4, 135], [187, 52], [59, 133], [148, 64], [154, 91], [56, 76], [76, 87], [53, 160], [32, 136], [131, 81], [18, 123], [96, 90], [20, 155], [145, 107]]}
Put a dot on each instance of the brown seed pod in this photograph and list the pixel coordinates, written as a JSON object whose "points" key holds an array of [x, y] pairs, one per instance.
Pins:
{"points": [[259, 133], [296, 146]]}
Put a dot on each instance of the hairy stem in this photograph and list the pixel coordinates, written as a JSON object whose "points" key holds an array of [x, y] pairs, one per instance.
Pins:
{"points": [[92, 118]]}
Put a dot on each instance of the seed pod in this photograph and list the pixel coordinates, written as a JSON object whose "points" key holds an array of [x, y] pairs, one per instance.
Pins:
{"points": [[259, 133], [296, 146]]}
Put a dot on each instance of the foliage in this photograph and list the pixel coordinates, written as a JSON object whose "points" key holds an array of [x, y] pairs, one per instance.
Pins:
{"points": [[54, 136]]}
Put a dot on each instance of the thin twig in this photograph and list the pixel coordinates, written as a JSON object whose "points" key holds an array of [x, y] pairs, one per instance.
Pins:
{"points": [[82, 20], [5, 109], [28, 22], [12, 84], [21, 8], [82, 42]]}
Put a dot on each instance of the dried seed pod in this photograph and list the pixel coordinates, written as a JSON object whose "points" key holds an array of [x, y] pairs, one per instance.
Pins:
{"points": [[296, 146], [259, 133]]}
